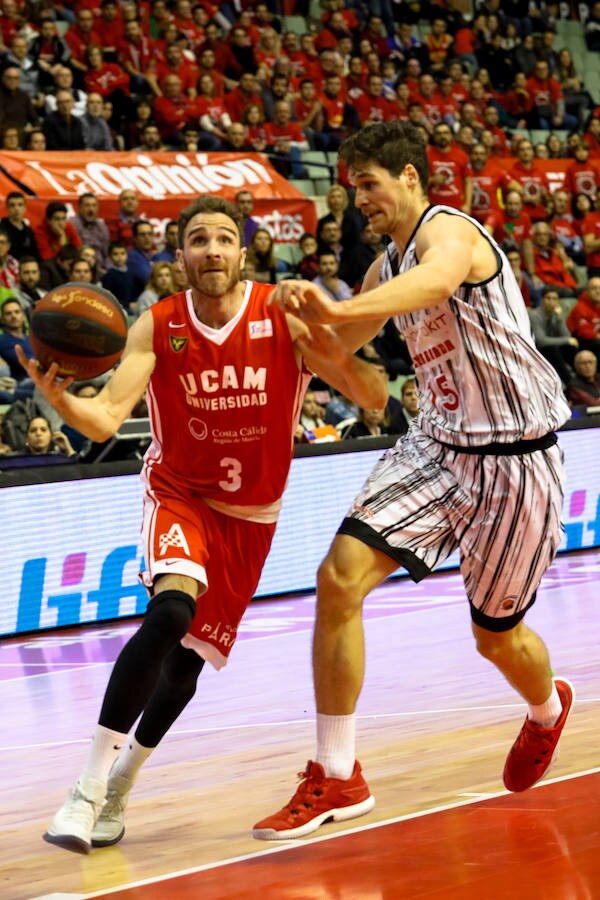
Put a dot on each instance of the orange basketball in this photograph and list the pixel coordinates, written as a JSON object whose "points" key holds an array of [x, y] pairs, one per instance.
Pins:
{"points": [[81, 327]]}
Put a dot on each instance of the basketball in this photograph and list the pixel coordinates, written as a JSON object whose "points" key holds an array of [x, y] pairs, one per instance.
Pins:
{"points": [[80, 327]]}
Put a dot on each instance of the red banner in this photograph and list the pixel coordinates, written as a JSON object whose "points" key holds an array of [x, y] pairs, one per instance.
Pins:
{"points": [[165, 183]]}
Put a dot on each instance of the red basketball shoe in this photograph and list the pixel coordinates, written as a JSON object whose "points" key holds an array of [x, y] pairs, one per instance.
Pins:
{"points": [[535, 747], [318, 799]]}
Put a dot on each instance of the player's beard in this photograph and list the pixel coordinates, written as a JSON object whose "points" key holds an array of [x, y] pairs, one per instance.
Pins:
{"points": [[214, 284]]}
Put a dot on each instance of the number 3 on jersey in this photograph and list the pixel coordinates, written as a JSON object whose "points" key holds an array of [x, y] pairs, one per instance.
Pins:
{"points": [[233, 467], [447, 395]]}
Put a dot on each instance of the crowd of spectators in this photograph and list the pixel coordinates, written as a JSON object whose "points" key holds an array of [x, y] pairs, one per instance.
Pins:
{"points": [[492, 94]]}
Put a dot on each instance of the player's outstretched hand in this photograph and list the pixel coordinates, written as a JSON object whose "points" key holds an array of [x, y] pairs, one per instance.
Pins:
{"points": [[306, 301], [50, 385], [323, 340]]}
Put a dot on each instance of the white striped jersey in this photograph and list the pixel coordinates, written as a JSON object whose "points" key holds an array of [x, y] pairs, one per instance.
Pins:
{"points": [[480, 378]]}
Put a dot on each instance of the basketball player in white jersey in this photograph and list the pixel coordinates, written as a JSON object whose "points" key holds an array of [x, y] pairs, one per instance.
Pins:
{"points": [[219, 361], [479, 470]]}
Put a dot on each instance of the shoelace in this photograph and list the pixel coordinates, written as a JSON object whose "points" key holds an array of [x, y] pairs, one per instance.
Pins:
{"points": [[113, 806], [308, 787], [541, 737]]}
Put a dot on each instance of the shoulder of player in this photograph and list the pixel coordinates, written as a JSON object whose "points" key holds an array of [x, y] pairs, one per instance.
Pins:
{"points": [[141, 334], [445, 228]]}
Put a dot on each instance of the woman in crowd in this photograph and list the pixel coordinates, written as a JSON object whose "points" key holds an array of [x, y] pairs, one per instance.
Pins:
{"points": [[253, 118], [159, 286], [261, 264], [341, 211], [370, 423], [42, 441]]}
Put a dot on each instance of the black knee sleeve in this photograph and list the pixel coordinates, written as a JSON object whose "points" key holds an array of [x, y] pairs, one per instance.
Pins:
{"points": [[175, 688], [137, 669]]}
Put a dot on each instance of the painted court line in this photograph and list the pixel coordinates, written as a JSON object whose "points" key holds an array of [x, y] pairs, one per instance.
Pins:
{"points": [[282, 846]]}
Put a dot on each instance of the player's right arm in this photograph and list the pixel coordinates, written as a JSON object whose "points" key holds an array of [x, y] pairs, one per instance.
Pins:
{"points": [[100, 417]]}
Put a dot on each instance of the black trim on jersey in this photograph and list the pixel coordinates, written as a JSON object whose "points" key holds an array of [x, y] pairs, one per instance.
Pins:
{"points": [[498, 448], [355, 528], [414, 231], [504, 623], [483, 233]]}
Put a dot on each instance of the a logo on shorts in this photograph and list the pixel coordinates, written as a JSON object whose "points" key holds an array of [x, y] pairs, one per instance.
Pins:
{"points": [[177, 343], [174, 537]]}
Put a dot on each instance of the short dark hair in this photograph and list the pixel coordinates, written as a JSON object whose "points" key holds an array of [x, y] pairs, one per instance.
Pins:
{"points": [[53, 207], [392, 145], [138, 224], [209, 204], [6, 301], [15, 195], [28, 259]]}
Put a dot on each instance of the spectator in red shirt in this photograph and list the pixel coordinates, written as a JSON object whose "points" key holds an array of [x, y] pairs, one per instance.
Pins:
{"points": [[372, 106], [109, 27], [340, 117], [548, 102], [120, 227], [253, 119], [110, 81], [174, 110], [240, 97], [137, 56], [584, 319], [450, 181], [55, 232], [175, 64], [590, 232], [183, 17], [487, 177], [564, 228], [213, 115], [349, 15], [513, 224], [592, 135], [429, 98], [78, 38], [374, 33], [449, 107], [286, 140], [518, 102], [552, 266], [308, 112], [527, 177], [491, 123], [582, 176]]}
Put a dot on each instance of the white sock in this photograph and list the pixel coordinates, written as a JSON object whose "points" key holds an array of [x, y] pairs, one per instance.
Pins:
{"points": [[336, 740], [131, 759], [106, 744], [547, 713]]}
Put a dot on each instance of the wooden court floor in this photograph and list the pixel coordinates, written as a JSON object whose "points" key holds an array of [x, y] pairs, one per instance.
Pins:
{"points": [[434, 725]]}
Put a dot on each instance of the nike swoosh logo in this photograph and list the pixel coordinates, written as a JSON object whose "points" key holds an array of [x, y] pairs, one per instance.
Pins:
{"points": [[174, 325]]}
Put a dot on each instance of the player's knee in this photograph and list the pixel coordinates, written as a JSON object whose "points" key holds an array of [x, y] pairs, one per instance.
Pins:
{"points": [[170, 612], [338, 590], [496, 645]]}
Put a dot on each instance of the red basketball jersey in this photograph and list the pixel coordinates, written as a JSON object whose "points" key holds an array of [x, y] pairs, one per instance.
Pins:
{"points": [[223, 403]]}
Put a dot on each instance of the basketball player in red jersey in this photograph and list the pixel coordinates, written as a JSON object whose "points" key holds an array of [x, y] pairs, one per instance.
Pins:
{"points": [[479, 469], [225, 373]]}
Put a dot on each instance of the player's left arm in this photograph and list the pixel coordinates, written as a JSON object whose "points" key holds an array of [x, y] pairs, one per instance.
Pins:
{"points": [[446, 247], [326, 355]]}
